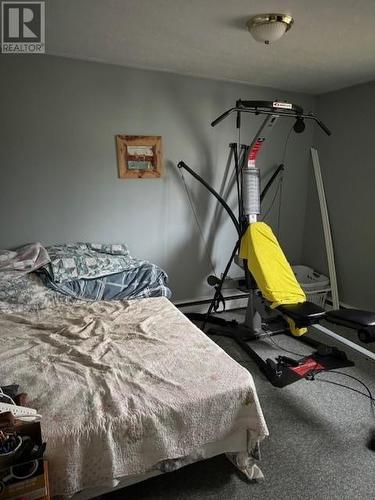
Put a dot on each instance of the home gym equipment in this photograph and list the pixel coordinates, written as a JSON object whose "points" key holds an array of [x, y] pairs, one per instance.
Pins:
{"points": [[276, 304]]}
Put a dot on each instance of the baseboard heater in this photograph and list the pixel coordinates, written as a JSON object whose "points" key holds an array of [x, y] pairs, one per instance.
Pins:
{"points": [[202, 302]]}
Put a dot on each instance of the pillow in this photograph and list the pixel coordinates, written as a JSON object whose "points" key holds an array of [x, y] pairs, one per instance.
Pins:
{"points": [[75, 261], [112, 249]]}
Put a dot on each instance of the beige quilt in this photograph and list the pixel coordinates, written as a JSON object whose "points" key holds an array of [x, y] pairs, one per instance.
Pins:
{"points": [[123, 386]]}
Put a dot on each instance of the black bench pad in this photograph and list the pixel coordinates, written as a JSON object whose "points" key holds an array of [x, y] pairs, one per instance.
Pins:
{"points": [[351, 318], [303, 313]]}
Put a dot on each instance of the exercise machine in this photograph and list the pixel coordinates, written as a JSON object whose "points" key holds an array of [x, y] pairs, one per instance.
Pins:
{"points": [[264, 319]]}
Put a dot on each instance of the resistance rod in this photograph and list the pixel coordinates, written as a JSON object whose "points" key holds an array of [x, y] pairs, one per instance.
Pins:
{"points": [[226, 207]]}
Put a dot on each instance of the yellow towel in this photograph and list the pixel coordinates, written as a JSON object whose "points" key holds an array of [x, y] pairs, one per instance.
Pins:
{"points": [[270, 268]]}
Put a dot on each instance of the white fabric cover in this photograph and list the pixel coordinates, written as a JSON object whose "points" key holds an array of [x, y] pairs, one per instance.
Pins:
{"points": [[24, 259], [123, 386]]}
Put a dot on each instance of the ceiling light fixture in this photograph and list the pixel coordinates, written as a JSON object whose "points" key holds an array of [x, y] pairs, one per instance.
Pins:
{"points": [[268, 28]]}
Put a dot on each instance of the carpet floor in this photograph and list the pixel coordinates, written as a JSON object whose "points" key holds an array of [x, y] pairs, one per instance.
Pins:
{"points": [[316, 448]]}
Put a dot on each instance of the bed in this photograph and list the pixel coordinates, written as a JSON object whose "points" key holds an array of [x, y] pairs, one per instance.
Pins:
{"points": [[127, 389]]}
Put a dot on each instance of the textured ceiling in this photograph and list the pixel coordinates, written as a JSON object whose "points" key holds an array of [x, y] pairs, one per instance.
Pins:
{"points": [[330, 46]]}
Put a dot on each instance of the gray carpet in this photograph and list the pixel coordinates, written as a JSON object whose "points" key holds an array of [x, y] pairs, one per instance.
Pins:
{"points": [[316, 448]]}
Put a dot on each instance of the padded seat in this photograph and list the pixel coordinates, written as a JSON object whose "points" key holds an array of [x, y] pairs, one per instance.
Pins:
{"points": [[351, 318], [303, 313]]}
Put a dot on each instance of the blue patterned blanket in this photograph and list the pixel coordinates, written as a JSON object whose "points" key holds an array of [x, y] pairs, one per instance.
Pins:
{"points": [[91, 271], [98, 271], [74, 261], [145, 280]]}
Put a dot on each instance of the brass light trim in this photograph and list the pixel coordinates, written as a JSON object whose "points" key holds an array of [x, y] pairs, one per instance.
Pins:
{"points": [[269, 19]]}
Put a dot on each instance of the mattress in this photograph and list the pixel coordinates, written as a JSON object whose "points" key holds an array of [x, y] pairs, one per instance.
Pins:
{"points": [[126, 388]]}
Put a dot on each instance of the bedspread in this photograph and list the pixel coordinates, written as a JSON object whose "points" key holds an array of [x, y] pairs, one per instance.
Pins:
{"points": [[142, 281], [123, 386], [26, 292]]}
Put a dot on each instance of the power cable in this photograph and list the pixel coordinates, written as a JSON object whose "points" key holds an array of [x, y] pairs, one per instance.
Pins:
{"points": [[372, 400], [369, 393], [314, 377]]}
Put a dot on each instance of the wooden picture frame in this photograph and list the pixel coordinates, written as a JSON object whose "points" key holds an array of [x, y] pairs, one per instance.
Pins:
{"points": [[139, 156]]}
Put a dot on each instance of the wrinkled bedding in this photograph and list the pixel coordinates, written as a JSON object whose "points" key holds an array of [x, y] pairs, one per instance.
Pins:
{"points": [[123, 386], [73, 261], [142, 281], [86, 271], [26, 292], [25, 259]]}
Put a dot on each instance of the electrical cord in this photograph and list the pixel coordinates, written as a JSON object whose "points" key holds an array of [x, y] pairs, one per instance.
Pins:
{"points": [[371, 438], [354, 378], [372, 400], [313, 376], [369, 393]]}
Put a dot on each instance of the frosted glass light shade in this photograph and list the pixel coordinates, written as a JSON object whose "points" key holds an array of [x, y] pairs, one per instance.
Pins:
{"points": [[268, 28], [268, 33]]}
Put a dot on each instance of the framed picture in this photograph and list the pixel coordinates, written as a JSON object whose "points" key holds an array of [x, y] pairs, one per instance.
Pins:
{"points": [[139, 156]]}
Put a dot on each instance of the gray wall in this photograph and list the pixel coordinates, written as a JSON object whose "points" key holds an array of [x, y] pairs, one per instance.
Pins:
{"points": [[59, 182], [348, 167]]}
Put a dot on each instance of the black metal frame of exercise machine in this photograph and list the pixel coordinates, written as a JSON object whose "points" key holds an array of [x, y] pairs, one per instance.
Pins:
{"points": [[260, 320]]}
